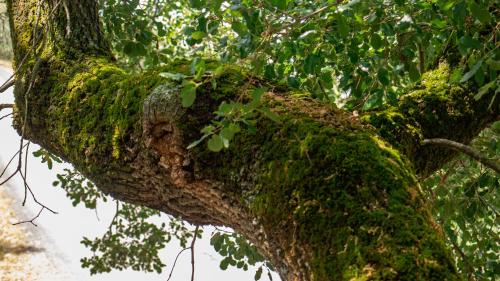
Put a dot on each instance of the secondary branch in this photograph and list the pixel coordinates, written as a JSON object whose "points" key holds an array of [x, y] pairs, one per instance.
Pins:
{"points": [[466, 150]]}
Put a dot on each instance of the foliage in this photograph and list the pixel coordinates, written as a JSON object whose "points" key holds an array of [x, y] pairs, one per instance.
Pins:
{"points": [[130, 242], [238, 252], [79, 189], [363, 53], [464, 196]]}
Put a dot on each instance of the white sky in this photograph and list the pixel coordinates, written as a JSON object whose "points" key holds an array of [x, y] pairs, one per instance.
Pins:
{"points": [[66, 229]]}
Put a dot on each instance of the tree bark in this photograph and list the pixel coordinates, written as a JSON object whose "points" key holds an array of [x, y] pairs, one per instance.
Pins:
{"points": [[322, 194]]}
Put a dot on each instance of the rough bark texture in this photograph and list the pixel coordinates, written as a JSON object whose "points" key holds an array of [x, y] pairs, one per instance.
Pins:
{"points": [[323, 195]]}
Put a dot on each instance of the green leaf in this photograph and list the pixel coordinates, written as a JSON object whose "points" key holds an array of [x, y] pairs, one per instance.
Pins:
{"points": [[188, 93], [239, 28], [374, 101], [280, 4], [225, 263], [198, 35], [258, 274], [197, 4], [257, 95], [469, 74], [218, 71], [484, 89], [383, 76], [439, 24], [480, 12], [468, 42], [215, 143], [269, 114], [342, 26], [227, 133], [134, 49], [376, 41]]}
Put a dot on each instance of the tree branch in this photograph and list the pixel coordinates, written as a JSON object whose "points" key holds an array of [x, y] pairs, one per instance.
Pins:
{"points": [[7, 84], [192, 251], [466, 150], [6, 105], [428, 111]]}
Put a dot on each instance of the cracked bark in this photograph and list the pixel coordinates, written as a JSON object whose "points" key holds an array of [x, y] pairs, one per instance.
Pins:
{"points": [[323, 195]]}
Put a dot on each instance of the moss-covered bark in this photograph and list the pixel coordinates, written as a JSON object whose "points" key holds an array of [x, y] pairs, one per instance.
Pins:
{"points": [[322, 195], [437, 108]]}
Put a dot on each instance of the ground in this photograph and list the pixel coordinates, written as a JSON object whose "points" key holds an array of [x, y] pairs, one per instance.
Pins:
{"points": [[22, 256]]}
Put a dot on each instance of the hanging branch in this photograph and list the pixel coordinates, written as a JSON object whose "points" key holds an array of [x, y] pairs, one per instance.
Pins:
{"points": [[466, 150], [192, 256]]}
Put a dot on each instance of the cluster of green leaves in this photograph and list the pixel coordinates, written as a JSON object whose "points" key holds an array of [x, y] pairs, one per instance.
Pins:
{"points": [[133, 239], [130, 242], [358, 53], [46, 157], [230, 117], [464, 196], [79, 189], [238, 252]]}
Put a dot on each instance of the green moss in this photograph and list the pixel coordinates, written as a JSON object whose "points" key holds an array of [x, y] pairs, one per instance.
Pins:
{"points": [[334, 188], [340, 192], [429, 111]]}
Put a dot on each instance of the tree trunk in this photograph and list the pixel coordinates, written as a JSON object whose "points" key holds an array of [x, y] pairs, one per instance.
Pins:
{"points": [[324, 195]]}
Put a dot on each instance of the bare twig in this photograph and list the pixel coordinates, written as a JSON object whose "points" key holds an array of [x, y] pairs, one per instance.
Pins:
{"points": [[6, 105], [466, 150], [32, 220], [7, 84], [192, 251], [5, 116], [7, 166], [175, 261], [191, 247]]}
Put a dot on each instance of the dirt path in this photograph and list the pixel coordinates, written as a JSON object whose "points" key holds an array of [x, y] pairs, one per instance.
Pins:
{"points": [[22, 253]]}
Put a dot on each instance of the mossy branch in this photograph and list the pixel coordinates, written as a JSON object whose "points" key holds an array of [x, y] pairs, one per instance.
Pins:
{"points": [[466, 150]]}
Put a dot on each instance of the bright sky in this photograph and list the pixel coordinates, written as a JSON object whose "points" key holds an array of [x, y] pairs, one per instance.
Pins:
{"points": [[66, 229]]}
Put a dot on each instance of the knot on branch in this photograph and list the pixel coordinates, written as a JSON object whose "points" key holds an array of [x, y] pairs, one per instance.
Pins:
{"points": [[162, 112]]}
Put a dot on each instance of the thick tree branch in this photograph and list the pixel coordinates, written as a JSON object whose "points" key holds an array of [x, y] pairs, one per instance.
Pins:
{"points": [[466, 150], [436, 108]]}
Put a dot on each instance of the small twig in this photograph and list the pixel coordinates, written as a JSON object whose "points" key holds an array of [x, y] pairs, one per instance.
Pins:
{"points": [[192, 255], [222, 230], [8, 164], [9, 83], [32, 220], [192, 251], [26, 172], [175, 261], [466, 150], [5, 116], [6, 105]]}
